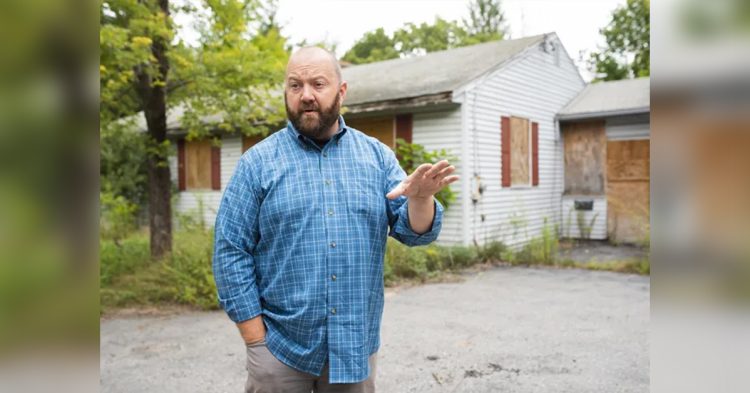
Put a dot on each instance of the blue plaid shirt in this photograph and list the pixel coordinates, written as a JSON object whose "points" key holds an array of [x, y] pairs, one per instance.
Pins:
{"points": [[300, 237]]}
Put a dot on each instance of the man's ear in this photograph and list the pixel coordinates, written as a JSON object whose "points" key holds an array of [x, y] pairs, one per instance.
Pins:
{"points": [[342, 90]]}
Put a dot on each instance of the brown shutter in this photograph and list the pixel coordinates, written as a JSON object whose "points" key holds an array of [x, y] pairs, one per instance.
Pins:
{"points": [[404, 127], [215, 168], [505, 151], [181, 165], [534, 154]]}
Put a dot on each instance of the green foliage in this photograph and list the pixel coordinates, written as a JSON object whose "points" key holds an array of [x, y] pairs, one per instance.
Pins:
{"points": [[127, 257], [129, 278], [486, 23], [627, 36], [189, 270], [373, 46], [412, 155], [492, 251], [122, 165], [584, 228], [117, 218], [540, 250]]}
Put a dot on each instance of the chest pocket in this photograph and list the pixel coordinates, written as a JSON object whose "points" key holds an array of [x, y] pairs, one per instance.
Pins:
{"points": [[365, 199]]}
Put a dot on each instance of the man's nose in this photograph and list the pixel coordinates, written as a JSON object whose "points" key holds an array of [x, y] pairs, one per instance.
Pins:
{"points": [[307, 95]]}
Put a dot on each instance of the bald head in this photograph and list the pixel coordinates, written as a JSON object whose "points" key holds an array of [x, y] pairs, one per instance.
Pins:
{"points": [[315, 56]]}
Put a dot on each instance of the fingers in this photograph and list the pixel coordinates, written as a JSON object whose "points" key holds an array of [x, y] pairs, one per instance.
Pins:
{"points": [[396, 191], [433, 172], [420, 171], [448, 180], [445, 172]]}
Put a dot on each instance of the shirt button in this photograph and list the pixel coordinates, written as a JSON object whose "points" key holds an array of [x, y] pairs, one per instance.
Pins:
{"points": [[328, 182], [333, 277], [333, 244], [330, 212], [333, 310], [325, 154]]}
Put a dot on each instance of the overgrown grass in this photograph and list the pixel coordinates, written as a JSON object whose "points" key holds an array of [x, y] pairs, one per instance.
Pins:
{"points": [[130, 278]]}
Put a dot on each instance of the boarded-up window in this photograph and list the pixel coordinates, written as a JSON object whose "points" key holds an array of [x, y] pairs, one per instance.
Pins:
{"points": [[519, 152], [250, 141], [381, 128], [198, 164]]}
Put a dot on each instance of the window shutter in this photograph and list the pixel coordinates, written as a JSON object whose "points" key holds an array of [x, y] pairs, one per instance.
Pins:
{"points": [[505, 151], [534, 154], [181, 165], [404, 127], [215, 167]]}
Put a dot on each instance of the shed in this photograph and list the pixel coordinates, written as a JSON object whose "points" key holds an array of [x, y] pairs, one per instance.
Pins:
{"points": [[606, 138]]}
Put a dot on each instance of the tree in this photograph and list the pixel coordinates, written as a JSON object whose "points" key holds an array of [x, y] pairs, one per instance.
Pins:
{"points": [[627, 52], [147, 70], [486, 21], [373, 46], [425, 38]]}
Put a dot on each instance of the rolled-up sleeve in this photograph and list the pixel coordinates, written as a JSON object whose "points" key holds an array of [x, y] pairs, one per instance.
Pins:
{"points": [[235, 237], [398, 209]]}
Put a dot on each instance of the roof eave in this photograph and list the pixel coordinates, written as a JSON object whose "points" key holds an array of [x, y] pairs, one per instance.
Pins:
{"points": [[599, 114], [422, 101]]}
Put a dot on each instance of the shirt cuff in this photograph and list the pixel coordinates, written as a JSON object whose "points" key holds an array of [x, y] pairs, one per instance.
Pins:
{"points": [[241, 308], [403, 231]]}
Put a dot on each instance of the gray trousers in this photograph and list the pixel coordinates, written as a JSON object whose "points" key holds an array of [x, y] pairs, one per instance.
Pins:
{"points": [[266, 374]]}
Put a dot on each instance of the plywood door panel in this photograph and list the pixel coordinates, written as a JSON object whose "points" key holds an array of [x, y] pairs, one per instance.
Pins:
{"points": [[381, 128], [628, 190], [198, 164]]}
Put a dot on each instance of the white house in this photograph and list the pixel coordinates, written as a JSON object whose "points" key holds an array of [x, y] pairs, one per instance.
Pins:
{"points": [[492, 105]]}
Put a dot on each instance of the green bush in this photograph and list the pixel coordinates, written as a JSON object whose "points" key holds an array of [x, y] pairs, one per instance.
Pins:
{"points": [[492, 251], [459, 257], [117, 216], [412, 155], [189, 270], [115, 260], [405, 262], [540, 250]]}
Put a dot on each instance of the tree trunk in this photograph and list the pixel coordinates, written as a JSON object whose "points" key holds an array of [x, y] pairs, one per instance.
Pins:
{"points": [[154, 99]]}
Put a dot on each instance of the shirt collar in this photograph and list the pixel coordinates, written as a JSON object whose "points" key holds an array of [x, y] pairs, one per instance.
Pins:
{"points": [[305, 140]]}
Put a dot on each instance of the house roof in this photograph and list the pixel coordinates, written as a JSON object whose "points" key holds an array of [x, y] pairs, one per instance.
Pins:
{"points": [[623, 97], [434, 73]]}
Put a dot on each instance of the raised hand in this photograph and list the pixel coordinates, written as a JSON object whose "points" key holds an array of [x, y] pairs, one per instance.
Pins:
{"points": [[425, 182]]}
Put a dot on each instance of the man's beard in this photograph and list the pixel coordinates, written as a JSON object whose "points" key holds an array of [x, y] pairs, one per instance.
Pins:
{"points": [[310, 125]]}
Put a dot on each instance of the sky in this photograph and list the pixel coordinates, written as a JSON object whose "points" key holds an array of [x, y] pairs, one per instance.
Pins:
{"points": [[576, 22]]}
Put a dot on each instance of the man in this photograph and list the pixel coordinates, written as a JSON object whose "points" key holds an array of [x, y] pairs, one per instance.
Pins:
{"points": [[300, 237]]}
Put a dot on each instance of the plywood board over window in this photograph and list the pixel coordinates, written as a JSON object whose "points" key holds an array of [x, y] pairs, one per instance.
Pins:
{"points": [[520, 152], [585, 146], [250, 141], [381, 128], [198, 164]]}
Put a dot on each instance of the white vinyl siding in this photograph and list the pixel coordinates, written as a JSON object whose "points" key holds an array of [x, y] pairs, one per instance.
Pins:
{"points": [[594, 220], [436, 131]]}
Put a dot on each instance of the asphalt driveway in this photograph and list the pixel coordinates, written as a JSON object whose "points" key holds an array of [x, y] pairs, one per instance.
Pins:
{"points": [[506, 329]]}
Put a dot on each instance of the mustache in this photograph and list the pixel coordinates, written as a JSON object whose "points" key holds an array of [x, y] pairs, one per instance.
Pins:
{"points": [[311, 107]]}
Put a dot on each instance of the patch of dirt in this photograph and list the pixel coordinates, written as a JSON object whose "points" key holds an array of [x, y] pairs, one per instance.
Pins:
{"points": [[586, 251]]}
